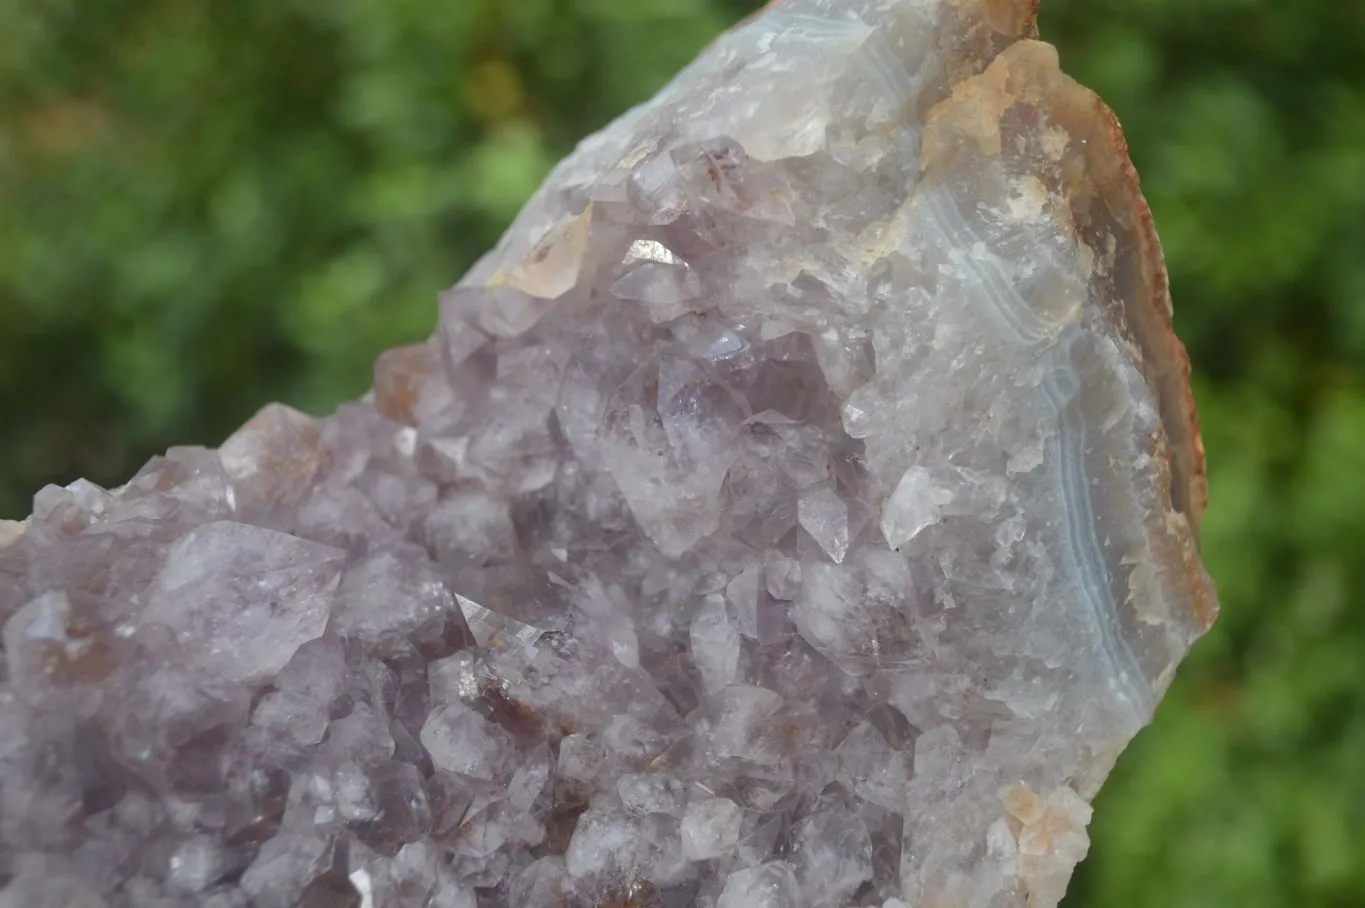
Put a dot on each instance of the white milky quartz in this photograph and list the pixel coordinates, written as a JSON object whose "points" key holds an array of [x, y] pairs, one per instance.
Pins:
{"points": [[771, 885], [824, 515], [710, 829], [461, 741], [797, 508], [715, 644], [646, 793], [914, 505]]}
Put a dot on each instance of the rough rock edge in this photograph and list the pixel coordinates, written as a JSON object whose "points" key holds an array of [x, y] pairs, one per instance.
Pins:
{"points": [[1148, 316], [1128, 286]]}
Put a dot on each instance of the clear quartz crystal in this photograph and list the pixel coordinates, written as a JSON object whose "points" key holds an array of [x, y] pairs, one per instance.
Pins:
{"points": [[797, 508], [710, 829]]}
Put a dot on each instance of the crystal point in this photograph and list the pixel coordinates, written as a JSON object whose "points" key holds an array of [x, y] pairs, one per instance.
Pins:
{"points": [[798, 508]]}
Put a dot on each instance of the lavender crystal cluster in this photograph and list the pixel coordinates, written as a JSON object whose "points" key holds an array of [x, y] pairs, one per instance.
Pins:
{"points": [[797, 509]]}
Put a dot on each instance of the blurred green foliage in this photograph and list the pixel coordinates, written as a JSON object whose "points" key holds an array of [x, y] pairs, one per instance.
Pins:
{"points": [[205, 206]]}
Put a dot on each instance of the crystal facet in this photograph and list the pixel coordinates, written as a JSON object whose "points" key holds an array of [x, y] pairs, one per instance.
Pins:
{"points": [[797, 509]]}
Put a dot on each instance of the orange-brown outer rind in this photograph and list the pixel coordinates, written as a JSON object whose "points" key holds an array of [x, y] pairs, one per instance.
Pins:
{"points": [[1143, 286]]}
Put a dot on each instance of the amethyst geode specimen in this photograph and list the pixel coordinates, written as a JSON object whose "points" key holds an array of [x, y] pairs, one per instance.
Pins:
{"points": [[797, 509]]}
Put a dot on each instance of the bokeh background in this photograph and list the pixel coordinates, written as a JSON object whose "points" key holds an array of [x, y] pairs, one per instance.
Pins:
{"points": [[205, 206]]}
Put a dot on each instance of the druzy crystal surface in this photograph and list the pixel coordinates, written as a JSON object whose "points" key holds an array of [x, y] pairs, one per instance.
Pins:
{"points": [[797, 509]]}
